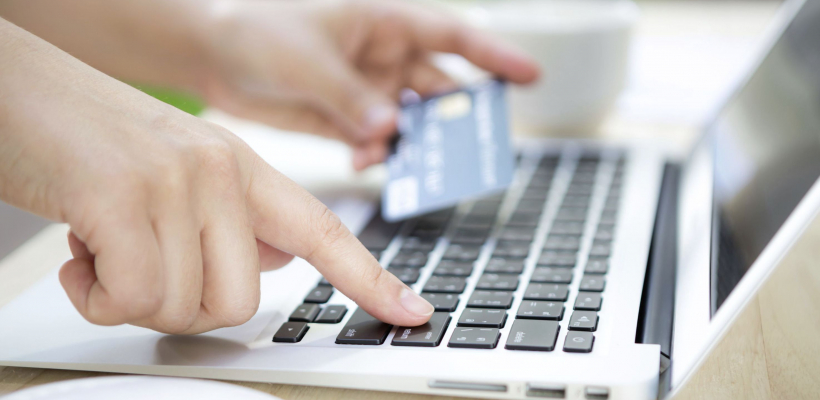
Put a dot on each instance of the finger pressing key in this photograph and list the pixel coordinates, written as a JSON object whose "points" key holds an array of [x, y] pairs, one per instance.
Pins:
{"points": [[289, 218]]}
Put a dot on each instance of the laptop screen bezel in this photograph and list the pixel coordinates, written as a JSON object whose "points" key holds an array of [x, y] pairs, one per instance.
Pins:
{"points": [[696, 330]]}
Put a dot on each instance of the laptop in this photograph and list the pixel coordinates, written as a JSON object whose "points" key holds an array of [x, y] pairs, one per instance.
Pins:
{"points": [[605, 271]]}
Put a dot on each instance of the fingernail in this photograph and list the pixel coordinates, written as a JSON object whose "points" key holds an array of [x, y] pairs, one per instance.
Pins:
{"points": [[379, 119], [414, 304]]}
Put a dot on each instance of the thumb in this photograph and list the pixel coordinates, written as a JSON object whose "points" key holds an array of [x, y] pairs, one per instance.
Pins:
{"points": [[361, 110]]}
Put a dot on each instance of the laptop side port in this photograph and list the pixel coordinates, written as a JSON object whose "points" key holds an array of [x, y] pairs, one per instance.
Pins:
{"points": [[596, 393], [456, 385], [546, 391]]}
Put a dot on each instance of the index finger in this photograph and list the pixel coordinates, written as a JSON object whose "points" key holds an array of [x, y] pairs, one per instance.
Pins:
{"points": [[436, 30], [287, 217]]}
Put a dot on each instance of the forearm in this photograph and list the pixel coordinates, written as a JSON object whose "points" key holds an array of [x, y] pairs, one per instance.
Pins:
{"points": [[48, 102], [160, 42]]}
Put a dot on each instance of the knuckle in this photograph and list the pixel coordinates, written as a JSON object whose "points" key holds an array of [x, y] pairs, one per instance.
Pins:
{"points": [[135, 301], [177, 321], [239, 310], [217, 161], [372, 278], [215, 155], [328, 227], [170, 173]]}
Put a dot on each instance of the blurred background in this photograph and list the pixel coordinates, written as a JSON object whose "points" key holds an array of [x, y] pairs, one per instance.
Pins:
{"points": [[682, 59]]}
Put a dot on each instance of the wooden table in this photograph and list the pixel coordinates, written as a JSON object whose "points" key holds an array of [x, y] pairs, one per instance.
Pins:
{"points": [[739, 368]]}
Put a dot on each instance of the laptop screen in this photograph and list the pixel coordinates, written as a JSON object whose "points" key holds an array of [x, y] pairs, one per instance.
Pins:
{"points": [[766, 145]]}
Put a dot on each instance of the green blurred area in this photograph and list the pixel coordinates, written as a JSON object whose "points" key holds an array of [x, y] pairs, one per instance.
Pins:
{"points": [[184, 101]]}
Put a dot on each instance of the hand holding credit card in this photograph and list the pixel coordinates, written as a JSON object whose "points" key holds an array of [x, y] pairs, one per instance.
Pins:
{"points": [[450, 147]]}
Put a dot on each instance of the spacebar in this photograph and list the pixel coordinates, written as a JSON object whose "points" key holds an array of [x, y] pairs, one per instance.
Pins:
{"points": [[363, 329]]}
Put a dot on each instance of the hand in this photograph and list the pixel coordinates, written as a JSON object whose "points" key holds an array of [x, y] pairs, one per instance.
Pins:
{"points": [[335, 68], [172, 218]]}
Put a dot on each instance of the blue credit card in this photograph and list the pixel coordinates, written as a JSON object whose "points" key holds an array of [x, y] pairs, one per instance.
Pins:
{"points": [[450, 148]]}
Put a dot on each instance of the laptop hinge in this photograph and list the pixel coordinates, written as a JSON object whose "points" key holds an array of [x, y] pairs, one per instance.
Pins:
{"points": [[658, 300]]}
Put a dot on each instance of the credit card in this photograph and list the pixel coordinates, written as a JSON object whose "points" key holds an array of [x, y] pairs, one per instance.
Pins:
{"points": [[450, 148]]}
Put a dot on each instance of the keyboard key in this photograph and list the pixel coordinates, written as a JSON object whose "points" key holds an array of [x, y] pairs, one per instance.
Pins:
{"points": [[331, 314], [557, 259], [441, 216], [462, 252], [532, 335], [576, 201], [498, 265], [579, 189], [427, 233], [584, 177], [497, 282], [305, 313], [548, 162], [608, 217], [544, 291], [408, 276], [524, 219], [445, 284], [411, 259], [596, 266], [539, 194], [442, 301], [324, 282], [530, 206], [571, 214], [530, 309], [363, 329], [428, 229], [485, 208], [551, 275], [605, 232], [475, 338], [583, 321], [617, 180], [600, 248], [512, 249], [430, 224], [415, 243], [378, 233], [470, 236], [543, 184], [477, 220], [291, 332], [454, 268], [490, 299], [592, 283], [612, 205], [567, 228], [543, 174], [517, 234], [588, 301], [578, 342], [483, 318], [427, 335], [319, 294], [562, 242]]}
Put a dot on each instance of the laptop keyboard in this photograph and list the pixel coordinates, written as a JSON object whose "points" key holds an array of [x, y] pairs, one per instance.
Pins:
{"points": [[490, 243]]}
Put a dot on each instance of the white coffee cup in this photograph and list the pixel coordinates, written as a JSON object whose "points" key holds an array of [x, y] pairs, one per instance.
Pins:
{"points": [[583, 49]]}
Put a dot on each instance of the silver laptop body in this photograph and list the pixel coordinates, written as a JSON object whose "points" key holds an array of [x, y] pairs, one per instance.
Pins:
{"points": [[645, 257]]}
